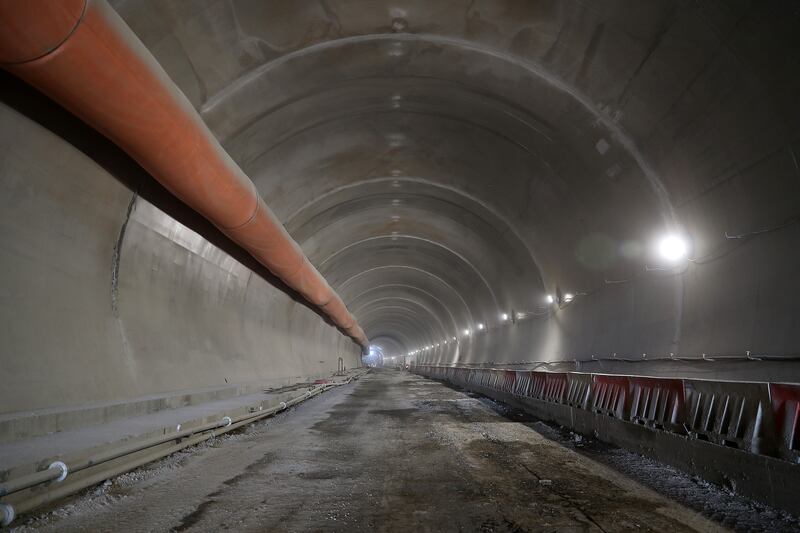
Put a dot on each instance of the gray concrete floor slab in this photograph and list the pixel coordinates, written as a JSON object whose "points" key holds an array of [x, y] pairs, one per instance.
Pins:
{"points": [[393, 452]]}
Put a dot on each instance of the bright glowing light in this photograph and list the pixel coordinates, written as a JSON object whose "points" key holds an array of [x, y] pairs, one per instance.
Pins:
{"points": [[503, 316], [550, 298], [673, 248], [480, 326], [568, 297], [454, 339], [467, 332]]}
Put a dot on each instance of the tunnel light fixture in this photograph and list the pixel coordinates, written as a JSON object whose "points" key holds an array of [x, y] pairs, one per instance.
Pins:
{"points": [[467, 332], [454, 339], [568, 297], [480, 326], [550, 298], [673, 248], [503, 316]]}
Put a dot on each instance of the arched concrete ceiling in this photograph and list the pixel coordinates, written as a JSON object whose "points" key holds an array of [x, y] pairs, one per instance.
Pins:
{"points": [[444, 162]]}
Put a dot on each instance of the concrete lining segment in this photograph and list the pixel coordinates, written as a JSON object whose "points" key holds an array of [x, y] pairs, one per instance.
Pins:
{"points": [[426, 210], [408, 292], [518, 62], [394, 237], [413, 269]]}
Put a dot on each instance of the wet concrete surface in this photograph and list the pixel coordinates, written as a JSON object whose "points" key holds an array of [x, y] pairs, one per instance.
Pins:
{"points": [[392, 452]]}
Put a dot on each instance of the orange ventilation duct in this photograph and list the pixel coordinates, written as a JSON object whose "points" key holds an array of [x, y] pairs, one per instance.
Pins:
{"points": [[82, 55]]}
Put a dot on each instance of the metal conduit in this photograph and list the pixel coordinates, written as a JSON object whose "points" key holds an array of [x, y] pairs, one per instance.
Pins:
{"points": [[83, 55]]}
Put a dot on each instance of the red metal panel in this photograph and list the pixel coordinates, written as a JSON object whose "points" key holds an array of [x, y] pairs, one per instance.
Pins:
{"points": [[786, 410], [509, 378]]}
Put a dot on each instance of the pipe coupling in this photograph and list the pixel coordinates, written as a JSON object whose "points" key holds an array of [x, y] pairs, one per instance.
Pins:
{"points": [[61, 466], [7, 514]]}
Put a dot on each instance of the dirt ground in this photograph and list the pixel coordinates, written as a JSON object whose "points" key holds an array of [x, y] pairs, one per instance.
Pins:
{"points": [[392, 452]]}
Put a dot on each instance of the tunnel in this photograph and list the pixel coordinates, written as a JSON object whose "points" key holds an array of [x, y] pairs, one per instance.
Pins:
{"points": [[564, 233]]}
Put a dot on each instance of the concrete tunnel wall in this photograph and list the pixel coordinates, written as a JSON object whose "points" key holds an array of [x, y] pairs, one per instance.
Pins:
{"points": [[440, 163], [106, 297]]}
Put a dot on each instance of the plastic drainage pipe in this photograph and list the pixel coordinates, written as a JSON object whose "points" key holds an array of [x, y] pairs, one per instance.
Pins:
{"points": [[82, 55], [59, 471], [7, 514]]}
